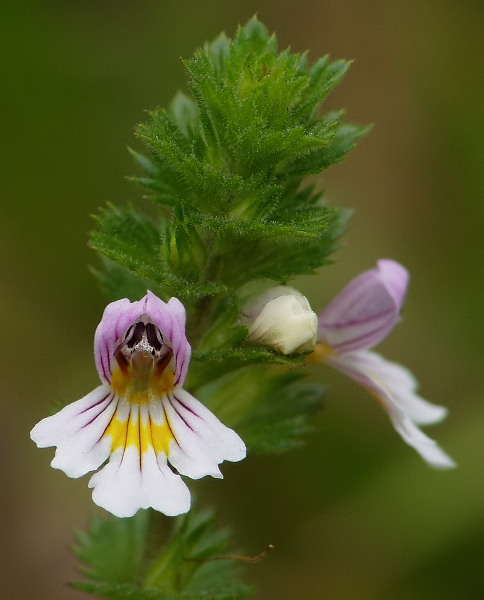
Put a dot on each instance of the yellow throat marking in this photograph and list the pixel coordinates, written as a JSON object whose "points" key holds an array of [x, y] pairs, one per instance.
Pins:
{"points": [[141, 389], [135, 432], [139, 429]]}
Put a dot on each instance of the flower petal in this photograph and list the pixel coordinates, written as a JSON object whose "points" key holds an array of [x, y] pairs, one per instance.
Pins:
{"points": [[403, 383], [366, 310], [428, 449], [77, 431], [201, 442], [137, 475], [395, 387], [128, 483], [120, 315]]}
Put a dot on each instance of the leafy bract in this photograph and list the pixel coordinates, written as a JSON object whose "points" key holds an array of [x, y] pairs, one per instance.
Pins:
{"points": [[225, 166], [123, 561]]}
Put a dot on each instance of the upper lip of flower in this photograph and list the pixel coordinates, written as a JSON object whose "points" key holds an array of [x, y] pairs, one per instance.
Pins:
{"points": [[366, 310], [120, 316]]}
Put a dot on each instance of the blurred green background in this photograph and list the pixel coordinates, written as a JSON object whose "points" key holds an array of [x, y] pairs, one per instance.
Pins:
{"points": [[354, 513]]}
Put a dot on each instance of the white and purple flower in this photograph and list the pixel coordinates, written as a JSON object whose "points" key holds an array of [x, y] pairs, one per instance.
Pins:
{"points": [[362, 314], [140, 418]]}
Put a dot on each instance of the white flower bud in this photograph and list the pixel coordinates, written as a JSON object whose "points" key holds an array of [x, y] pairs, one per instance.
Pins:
{"points": [[282, 319]]}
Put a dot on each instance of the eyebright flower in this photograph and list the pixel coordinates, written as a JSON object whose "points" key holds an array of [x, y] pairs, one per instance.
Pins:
{"points": [[356, 320], [282, 319], [140, 418]]}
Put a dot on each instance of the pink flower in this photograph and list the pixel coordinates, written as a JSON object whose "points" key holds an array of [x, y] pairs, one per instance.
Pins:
{"points": [[356, 320], [140, 417]]}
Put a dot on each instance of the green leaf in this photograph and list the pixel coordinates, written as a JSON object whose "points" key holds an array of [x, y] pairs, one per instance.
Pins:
{"points": [[282, 262], [185, 113], [269, 407], [130, 592], [253, 114], [296, 225], [226, 164], [132, 241], [248, 355], [280, 420], [323, 77], [113, 549], [117, 282], [116, 553], [127, 237]]}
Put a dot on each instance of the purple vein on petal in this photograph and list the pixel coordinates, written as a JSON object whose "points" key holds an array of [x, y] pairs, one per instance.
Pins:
{"points": [[354, 342], [96, 403], [110, 396], [352, 322], [179, 414], [188, 409]]}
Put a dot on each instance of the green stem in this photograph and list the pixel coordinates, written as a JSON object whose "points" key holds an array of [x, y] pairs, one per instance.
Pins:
{"points": [[162, 573]]}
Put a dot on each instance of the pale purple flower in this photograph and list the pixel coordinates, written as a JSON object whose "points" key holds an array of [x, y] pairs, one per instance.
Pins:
{"points": [[140, 418], [362, 314]]}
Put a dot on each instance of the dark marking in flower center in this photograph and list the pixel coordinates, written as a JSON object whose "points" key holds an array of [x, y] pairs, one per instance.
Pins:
{"points": [[155, 339], [134, 335], [143, 353]]}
